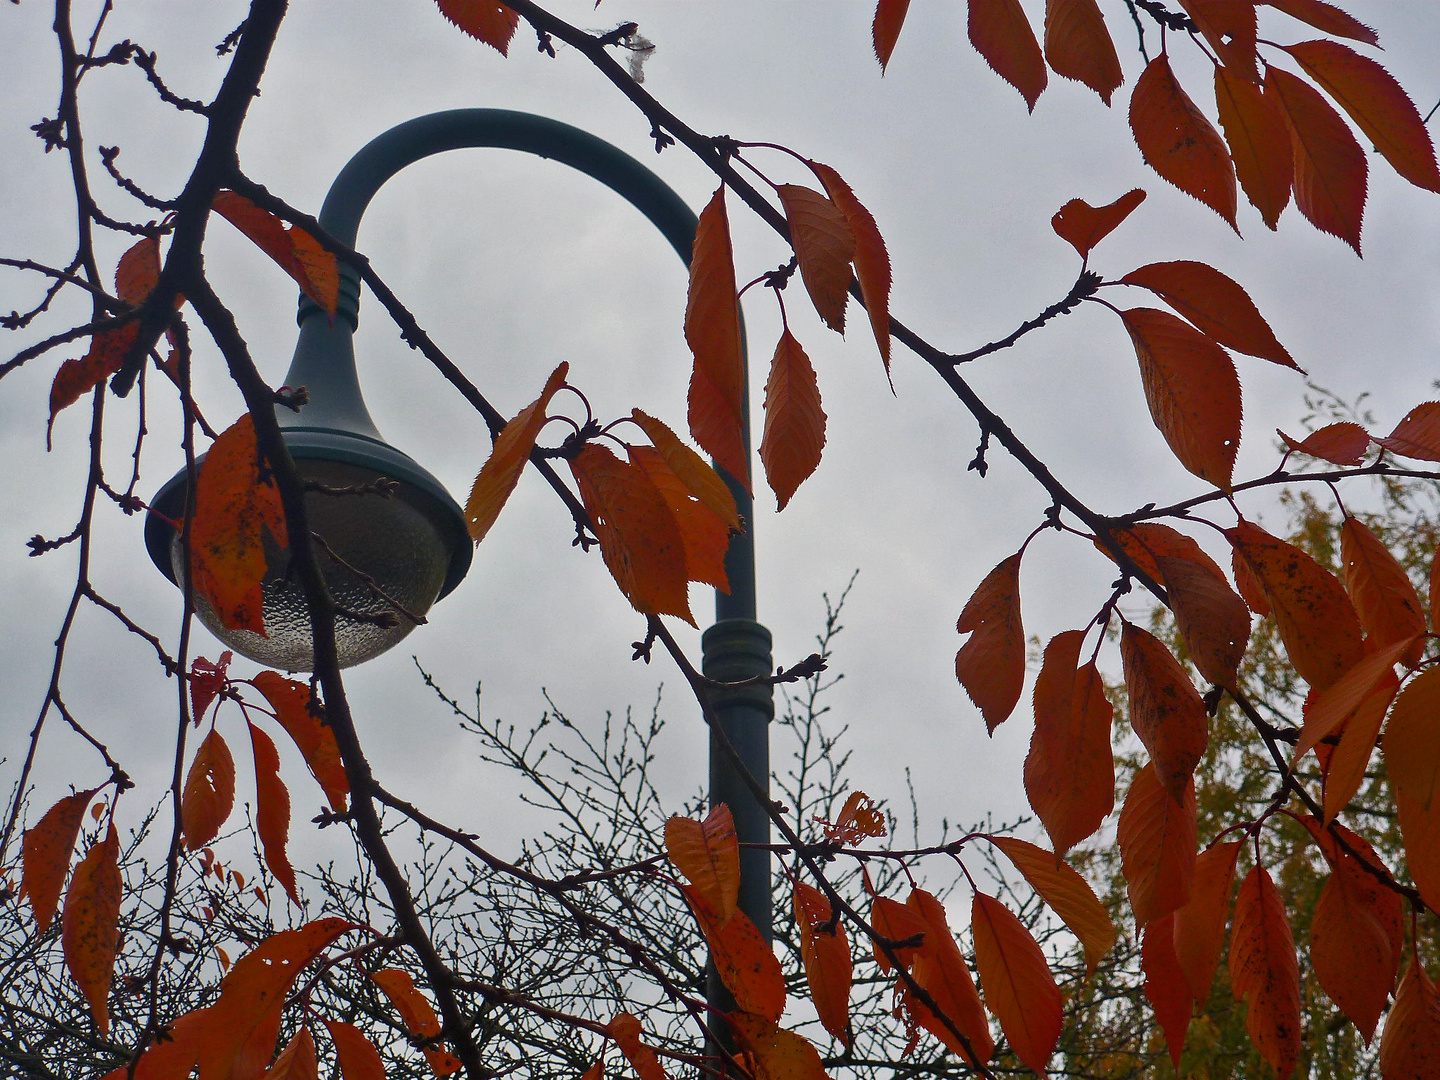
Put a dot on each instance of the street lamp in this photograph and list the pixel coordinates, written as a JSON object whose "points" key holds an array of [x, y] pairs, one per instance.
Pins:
{"points": [[414, 546]]}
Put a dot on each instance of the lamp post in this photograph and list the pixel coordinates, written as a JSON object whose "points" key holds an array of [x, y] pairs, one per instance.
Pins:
{"points": [[415, 545]]}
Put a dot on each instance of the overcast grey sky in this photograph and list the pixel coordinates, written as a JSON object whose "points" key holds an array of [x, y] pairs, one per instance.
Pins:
{"points": [[515, 264]]}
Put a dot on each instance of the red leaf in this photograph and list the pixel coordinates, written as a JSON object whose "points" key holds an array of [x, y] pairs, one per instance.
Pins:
{"points": [[417, 1014], [743, 958], [315, 740], [1079, 47], [872, 261], [1218, 306], [1345, 771], [1412, 758], [1018, 986], [138, 271], [1067, 894], [1199, 925], [1418, 435], [78, 377], [486, 20], [1083, 226], [272, 811], [940, 969], [1165, 985], [1330, 166], [1259, 143], [1192, 390], [1410, 1044], [45, 855], [1263, 970], [825, 952], [824, 247], [1157, 846], [1001, 34], [774, 1053], [1327, 18], [889, 18], [1326, 710], [1147, 541], [1165, 710], [703, 535], [708, 854], [1070, 770], [501, 472], [712, 329], [1351, 948], [625, 1030], [1385, 600], [90, 931], [209, 792], [794, 420], [702, 481], [1213, 621], [359, 1060], [1178, 142], [206, 682], [293, 249], [1230, 29], [991, 665], [1341, 443]]}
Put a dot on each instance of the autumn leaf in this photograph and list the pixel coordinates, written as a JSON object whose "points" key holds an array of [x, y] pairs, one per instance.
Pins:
{"points": [[76, 378], [315, 739], [1017, 983], [1326, 17], [1157, 839], [743, 958], [1199, 923], [1264, 972], [485, 20], [1165, 986], [940, 970], [1326, 710], [1341, 443], [293, 249], [702, 481], [1001, 34], [1067, 893], [896, 922], [1192, 390], [1418, 435], [1410, 1043], [705, 537], [90, 933], [1078, 46], [712, 330], [206, 681], [1351, 757], [991, 665], [794, 421], [359, 1060], [774, 1053], [1070, 770], [1330, 166], [1259, 143], [872, 261], [1217, 306], [1082, 226], [859, 818], [297, 1061], [889, 18], [209, 794], [1386, 602], [176, 1053], [708, 854], [825, 954], [418, 1016], [639, 536], [1146, 541], [1178, 142], [1412, 758], [1351, 949], [45, 855], [625, 1030], [1165, 710], [1230, 29], [501, 472], [138, 271], [272, 811], [1213, 621], [824, 246]]}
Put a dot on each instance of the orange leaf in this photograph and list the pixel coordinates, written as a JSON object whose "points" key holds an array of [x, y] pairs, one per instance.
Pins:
{"points": [[1326, 710], [712, 330], [1070, 770], [1230, 29], [1213, 621], [297, 1060], [1263, 970], [774, 1053], [1218, 306], [1165, 710], [1018, 986], [359, 1060], [1248, 587], [1385, 600], [272, 810], [1083, 226], [1377, 104], [594, 1072], [90, 931], [940, 969], [1001, 34], [486, 20], [694, 472], [1199, 925], [45, 855], [991, 665], [293, 249], [418, 1016], [639, 535], [1330, 166], [859, 817], [872, 261], [1341, 443], [824, 247], [78, 377], [625, 1030], [794, 420], [708, 854], [1326, 17], [1165, 985], [1192, 390], [1418, 435], [1410, 1044], [1178, 142], [1079, 47], [315, 739], [889, 18], [1149, 540], [206, 682], [1067, 894], [233, 510], [1259, 143], [1412, 758], [209, 792], [897, 922], [138, 271], [825, 952], [1157, 846], [703, 535], [1315, 618], [501, 472], [1345, 771], [743, 958], [1351, 949], [175, 1054]]}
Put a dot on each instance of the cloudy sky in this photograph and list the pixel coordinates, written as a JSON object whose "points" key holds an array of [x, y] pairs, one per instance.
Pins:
{"points": [[514, 264]]}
